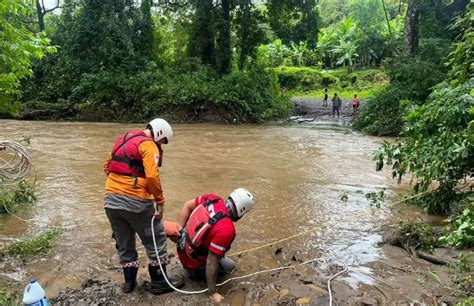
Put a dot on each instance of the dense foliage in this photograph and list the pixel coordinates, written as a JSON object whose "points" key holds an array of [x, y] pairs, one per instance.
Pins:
{"points": [[436, 146], [313, 81], [461, 227], [18, 47], [140, 62], [194, 95]]}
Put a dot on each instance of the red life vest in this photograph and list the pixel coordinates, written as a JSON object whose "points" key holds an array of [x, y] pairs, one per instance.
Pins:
{"points": [[198, 225], [126, 158]]}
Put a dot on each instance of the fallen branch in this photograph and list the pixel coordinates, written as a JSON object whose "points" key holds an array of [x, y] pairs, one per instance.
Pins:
{"points": [[431, 258]]}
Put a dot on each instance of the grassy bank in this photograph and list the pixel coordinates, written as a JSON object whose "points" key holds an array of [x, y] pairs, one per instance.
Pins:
{"points": [[309, 82]]}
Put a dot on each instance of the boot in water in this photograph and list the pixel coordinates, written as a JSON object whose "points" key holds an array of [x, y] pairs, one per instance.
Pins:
{"points": [[130, 283], [158, 284]]}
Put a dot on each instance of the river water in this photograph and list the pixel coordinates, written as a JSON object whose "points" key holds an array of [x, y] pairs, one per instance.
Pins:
{"points": [[297, 175]]}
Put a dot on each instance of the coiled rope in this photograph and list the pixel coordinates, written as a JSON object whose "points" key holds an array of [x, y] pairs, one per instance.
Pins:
{"points": [[15, 167]]}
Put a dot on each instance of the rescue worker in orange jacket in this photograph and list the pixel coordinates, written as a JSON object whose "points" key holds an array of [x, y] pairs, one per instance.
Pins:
{"points": [[205, 232], [133, 196]]}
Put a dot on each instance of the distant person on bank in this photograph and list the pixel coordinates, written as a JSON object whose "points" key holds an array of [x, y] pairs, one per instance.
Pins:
{"points": [[336, 105], [205, 232], [326, 97], [355, 105], [133, 196]]}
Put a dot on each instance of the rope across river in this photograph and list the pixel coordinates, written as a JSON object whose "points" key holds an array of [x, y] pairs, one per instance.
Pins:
{"points": [[17, 167], [312, 229]]}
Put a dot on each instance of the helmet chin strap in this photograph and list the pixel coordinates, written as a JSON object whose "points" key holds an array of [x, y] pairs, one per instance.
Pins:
{"points": [[231, 208], [160, 160], [160, 149]]}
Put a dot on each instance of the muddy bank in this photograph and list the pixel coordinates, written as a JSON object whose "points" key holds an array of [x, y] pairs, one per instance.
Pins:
{"points": [[398, 279]]}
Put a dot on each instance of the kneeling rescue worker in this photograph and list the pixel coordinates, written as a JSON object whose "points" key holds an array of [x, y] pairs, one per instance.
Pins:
{"points": [[205, 232], [133, 196]]}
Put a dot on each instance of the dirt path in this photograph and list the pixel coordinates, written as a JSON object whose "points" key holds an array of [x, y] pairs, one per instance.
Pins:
{"points": [[313, 110]]}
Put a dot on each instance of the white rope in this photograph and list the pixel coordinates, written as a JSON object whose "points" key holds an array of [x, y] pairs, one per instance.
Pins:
{"points": [[15, 216], [18, 167], [333, 277], [237, 277]]}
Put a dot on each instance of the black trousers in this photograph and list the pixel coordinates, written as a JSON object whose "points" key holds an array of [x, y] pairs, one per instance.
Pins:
{"points": [[126, 224]]}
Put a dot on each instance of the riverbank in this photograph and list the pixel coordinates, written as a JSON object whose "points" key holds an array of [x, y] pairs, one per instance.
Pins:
{"points": [[303, 176], [396, 279]]}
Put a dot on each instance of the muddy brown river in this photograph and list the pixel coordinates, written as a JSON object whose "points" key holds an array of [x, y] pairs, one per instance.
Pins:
{"points": [[297, 174]]}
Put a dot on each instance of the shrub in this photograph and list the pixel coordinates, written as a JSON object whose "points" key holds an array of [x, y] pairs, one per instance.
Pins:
{"points": [[416, 76], [37, 245], [437, 149], [197, 94], [417, 234], [381, 114], [411, 81], [461, 227], [9, 108], [302, 78], [22, 193], [308, 79]]}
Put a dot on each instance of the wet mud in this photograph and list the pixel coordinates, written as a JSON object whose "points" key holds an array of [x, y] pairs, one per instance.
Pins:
{"points": [[312, 110]]}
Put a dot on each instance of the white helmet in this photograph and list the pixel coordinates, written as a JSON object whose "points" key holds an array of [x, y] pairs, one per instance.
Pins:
{"points": [[243, 201], [160, 129]]}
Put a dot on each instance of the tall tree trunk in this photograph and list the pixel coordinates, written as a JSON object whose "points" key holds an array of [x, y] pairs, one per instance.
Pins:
{"points": [[411, 28], [40, 13], [386, 18], [201, 41], [245, 6], [223, 40]]}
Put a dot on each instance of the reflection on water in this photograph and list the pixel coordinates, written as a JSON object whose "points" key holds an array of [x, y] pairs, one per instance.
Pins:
{"points": [[296, 174]]}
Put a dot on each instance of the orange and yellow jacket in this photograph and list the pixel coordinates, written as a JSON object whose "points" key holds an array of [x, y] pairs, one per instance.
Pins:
{"points": [[147, 188]]}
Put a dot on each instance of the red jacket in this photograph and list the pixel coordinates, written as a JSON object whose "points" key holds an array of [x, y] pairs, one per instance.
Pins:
{"points": [[126, 158]]}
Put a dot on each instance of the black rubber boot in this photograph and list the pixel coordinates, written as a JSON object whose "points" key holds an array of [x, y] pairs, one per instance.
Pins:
{"points": [[130, 283], [158, 284]]}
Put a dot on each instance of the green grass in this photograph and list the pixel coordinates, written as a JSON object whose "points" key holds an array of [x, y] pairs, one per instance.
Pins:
{"points": [[6, 298], [308, 82], [37, 245], [344, 94], [467, 302]]}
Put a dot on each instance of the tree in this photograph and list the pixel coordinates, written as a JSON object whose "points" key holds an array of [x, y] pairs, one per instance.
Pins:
{"points": [[223, 51], [411, 28], [339, 41], [347, 52], [41, 11], [18, 46], [101, 36], [249, 31], [202, 36], [294, 20], [144, 31]]}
